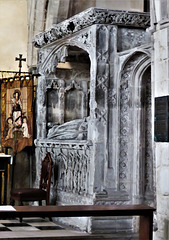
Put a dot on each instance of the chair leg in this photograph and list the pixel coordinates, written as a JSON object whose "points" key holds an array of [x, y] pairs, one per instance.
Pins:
{"points": [[47, 203], [12, 202], [20, 204]]}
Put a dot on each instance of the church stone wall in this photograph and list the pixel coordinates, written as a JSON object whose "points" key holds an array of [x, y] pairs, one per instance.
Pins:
{"points": [[43, 14], [160, 64], [13, 19]]}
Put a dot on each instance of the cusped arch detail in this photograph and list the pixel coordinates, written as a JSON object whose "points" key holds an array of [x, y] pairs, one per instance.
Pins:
{"points": [[48, 59], [141, 55]]}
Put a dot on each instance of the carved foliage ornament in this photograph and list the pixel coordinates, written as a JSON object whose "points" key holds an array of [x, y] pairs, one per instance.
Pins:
{"points": [[89, 17]]}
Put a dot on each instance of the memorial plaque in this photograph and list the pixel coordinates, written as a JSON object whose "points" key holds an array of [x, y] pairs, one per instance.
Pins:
{"points": [[161, 125]]}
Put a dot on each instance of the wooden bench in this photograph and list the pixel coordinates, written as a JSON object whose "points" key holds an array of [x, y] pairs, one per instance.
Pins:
{"points": [[145, 213]]}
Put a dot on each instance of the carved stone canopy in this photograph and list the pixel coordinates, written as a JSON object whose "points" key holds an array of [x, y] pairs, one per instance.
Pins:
{"points": [[89, 17], [91, 88]]}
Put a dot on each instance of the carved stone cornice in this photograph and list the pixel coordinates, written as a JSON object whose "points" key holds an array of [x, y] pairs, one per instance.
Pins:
{"points": [[89, 17]]}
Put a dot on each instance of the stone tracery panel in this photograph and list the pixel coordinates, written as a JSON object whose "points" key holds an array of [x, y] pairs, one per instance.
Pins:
{"points": [[73, 163], [67, 100], [67, 85]]}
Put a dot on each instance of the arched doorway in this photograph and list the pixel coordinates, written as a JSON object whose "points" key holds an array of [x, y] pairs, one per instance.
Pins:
{"points": [[68, 91], [146, 152], [135, 130]]}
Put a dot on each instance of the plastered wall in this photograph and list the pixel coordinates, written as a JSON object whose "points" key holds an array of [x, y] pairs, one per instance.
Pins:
{"points": [[13, 33], [135, 5]]}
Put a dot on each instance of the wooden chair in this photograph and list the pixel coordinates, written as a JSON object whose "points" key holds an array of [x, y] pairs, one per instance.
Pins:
{"points": [[36, 194]]}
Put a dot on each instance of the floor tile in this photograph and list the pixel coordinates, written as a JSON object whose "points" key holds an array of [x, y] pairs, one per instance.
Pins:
{"points": [[8, 220], [23, 229], [4, 229], [42, 224], [35, 228], [15, 224], [32, 220], [50, 228]]}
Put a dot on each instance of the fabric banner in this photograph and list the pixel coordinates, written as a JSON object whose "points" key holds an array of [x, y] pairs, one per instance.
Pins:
{"points": [[17, 113]]}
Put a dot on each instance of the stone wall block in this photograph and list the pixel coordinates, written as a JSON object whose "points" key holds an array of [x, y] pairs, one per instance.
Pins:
{"points": [[164, 181], [163, 205], [161, 88], [162, 154]]}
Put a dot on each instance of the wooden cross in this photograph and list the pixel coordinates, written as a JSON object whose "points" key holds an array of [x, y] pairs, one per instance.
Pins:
{"points": [[20, 59]]}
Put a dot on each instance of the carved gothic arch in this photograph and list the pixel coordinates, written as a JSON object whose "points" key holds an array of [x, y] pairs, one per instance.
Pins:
{"points": [[132, 117], [143, 113], [58, 53], [144, 52]]}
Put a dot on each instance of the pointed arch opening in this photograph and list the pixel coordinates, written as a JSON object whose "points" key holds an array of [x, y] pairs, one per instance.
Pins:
{"points": [[68, 91], [135, 145]]}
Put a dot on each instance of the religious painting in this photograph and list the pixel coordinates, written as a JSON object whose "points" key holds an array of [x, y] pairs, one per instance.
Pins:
{"points": [[16, 113]]}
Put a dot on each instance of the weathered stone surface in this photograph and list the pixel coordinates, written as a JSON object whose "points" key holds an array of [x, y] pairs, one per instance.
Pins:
{"points": [[89, 17], [160, 66], [114, 164]]}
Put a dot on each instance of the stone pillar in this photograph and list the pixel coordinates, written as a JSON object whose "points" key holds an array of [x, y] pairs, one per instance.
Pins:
{"points": [[105, 52], [84, 99], [41, 108], [52, 13]]}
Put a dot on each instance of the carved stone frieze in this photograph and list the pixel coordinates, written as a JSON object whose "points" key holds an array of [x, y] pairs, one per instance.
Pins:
{"points": [[81, 145], [89, 17], [112, 202], [73, 163], [72, 198]]}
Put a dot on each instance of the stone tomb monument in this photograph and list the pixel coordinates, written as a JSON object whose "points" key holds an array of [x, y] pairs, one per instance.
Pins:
{"points": [[94, 112]]}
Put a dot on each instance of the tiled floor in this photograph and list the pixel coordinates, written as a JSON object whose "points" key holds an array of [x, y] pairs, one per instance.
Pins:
{"points": [[36, 228], [39, 228]]}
